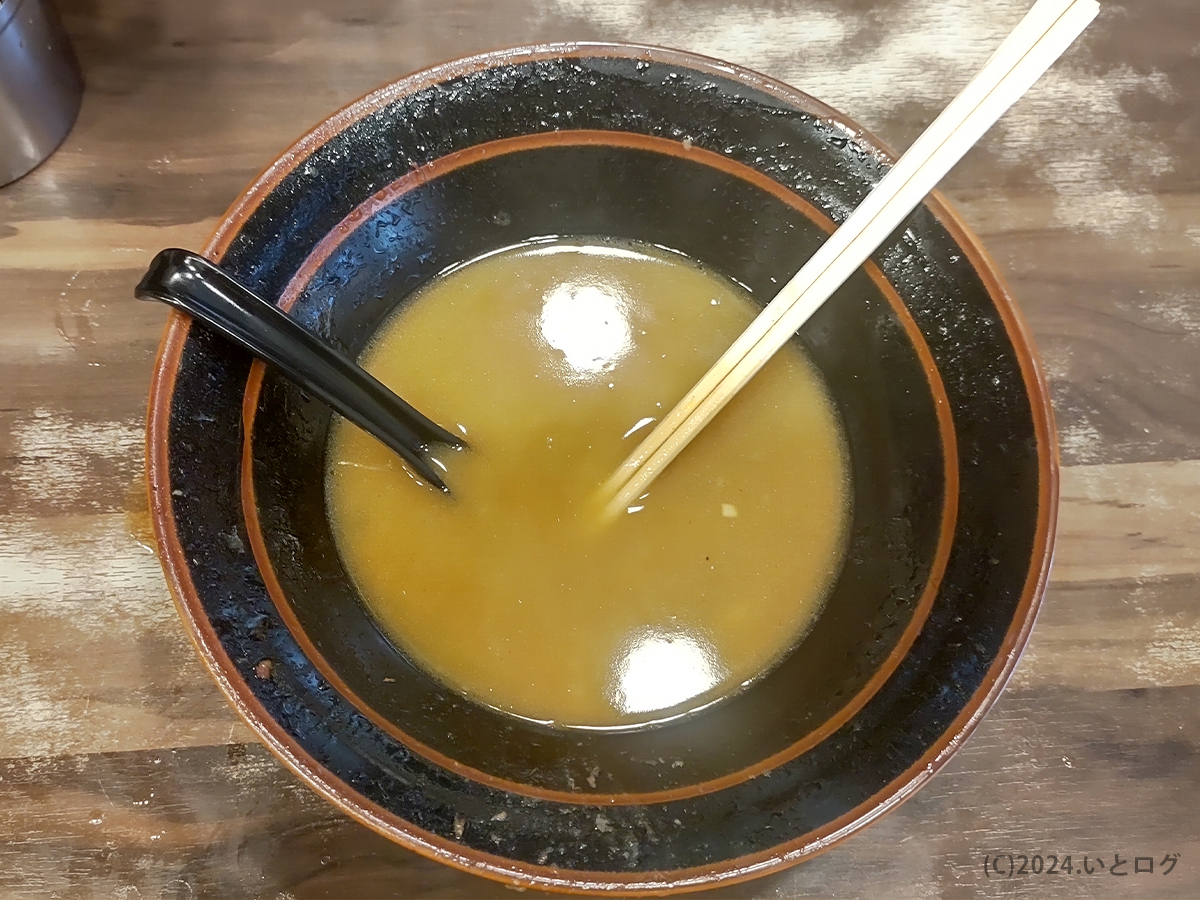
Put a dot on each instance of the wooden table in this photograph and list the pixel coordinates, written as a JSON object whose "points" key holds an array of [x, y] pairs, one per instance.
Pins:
{"points": [[123, 773]]}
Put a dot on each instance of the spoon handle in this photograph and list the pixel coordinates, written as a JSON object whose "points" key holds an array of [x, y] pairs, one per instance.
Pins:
{"points": [[190, 283]]}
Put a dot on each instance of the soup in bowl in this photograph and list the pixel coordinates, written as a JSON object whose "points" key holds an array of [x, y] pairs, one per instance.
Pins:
{"points": [[543, 249]]}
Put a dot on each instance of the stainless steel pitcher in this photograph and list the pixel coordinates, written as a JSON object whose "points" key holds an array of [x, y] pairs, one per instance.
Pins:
{"points": [[41, 86]]}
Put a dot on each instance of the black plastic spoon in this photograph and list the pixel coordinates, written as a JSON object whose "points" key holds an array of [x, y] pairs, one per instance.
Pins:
{"points": [[192, 284]]}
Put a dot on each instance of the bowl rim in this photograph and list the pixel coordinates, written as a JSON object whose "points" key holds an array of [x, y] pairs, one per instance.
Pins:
{"points": [[341, 795]]}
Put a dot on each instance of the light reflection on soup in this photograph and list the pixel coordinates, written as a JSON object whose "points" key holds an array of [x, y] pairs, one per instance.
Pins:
{"points": [[554, 359]]}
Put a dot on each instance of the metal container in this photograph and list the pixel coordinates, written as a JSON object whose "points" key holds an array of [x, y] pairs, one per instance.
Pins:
{"points": [[41, 86]]}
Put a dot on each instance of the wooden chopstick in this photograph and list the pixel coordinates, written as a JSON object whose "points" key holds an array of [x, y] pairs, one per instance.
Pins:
{"points": [[1045, 33]]}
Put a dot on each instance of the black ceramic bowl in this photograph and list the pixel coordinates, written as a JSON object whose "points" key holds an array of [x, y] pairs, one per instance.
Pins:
{"points": [[943, 405]]}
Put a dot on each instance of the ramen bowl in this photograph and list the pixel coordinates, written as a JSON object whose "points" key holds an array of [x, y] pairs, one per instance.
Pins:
{"points": [[945, 414]]}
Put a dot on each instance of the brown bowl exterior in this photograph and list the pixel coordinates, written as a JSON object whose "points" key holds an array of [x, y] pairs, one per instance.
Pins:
{"points": [[936, 381]]}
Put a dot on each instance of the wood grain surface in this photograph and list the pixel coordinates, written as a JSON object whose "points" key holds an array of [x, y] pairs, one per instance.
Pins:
{"points": [[123, 773]]}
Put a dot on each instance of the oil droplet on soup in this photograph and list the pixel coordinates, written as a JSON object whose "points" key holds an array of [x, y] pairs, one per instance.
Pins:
{"points": [[554, 359]]}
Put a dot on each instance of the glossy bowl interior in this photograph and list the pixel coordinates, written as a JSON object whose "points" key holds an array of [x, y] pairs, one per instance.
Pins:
{"points": [[945, 415]]}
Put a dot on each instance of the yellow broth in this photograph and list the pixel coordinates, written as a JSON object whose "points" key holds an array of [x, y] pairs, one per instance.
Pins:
{"points": [[554, 359]]}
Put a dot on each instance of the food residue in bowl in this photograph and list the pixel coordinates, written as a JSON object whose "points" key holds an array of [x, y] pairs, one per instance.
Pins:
{"points": [[553, 358]]}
